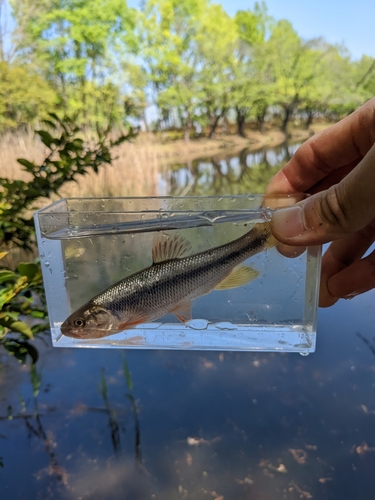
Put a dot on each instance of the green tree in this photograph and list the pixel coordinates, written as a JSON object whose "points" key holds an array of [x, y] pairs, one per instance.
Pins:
{"points": [[295, 66], [75, 43], [135, 101], [333, 84], [169, 29], [346, 92], [24, 96], [216, 41], [365, 76], [252, 93]]}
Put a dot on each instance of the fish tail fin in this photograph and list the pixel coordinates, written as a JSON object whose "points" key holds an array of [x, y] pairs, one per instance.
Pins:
{"points": [[263, 230]]}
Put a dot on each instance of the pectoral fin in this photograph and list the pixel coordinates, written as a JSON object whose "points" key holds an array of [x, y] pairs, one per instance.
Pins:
{"points": [[135, 319], [238, 277], [183, 311]]}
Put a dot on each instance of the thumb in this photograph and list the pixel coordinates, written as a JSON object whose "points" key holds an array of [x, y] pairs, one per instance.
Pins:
{"points": [[340, 210]]}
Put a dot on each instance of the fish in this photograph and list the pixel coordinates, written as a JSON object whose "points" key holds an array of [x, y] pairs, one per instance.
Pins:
{"points": [[175, 278]]}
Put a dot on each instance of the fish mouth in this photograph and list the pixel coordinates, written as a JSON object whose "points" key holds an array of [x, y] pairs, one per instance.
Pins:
{"points": [[71, 332], [87, 334]]}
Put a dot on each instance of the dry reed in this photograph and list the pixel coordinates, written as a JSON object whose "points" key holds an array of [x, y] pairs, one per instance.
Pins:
{"points": [[19, 145], [134, 171]]}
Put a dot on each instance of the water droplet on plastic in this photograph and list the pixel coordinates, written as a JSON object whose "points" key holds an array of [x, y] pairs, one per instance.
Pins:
{"points": [[198, 324]]}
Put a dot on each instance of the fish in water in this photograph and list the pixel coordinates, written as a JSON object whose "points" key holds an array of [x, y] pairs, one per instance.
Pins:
{"points": [[169, 285]]}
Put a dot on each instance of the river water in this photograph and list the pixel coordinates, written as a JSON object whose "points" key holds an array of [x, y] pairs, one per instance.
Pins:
{"points": [[242, 172], [138, 425]]}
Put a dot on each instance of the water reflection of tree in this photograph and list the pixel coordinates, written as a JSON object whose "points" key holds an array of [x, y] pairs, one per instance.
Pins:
{"points": [[369, 343], [109, 410], [113, 423], [34, 425], [33, 415], [225, 174]]}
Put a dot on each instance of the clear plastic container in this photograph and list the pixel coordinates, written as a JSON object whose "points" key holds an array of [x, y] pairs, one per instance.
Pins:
{"points": [[87, 245]]}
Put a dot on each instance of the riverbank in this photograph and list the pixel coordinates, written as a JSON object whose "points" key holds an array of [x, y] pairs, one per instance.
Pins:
{"points": [[136, 168], [179, 151], [151, 149], [139, 168]]}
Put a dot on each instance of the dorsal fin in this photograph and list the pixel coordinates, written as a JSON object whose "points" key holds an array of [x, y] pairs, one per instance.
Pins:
{"points": [[167, 247]]}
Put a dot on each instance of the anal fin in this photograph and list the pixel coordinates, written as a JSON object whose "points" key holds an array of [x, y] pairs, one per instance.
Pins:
{"points": [[239, 276], [183, 311]]}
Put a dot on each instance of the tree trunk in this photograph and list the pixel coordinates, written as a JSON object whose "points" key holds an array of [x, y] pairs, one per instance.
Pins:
{"points": [[224, 126], [240, 123], [261, 120], [287, 156], [287, 115], [187, 130], [213, 127], [310, 116]]}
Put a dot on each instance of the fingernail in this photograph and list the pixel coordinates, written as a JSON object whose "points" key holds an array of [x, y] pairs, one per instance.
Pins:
{"points": [[289, 221]]}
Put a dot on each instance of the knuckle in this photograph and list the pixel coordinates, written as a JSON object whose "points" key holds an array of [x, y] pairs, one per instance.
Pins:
{"points": [[335, 209]]}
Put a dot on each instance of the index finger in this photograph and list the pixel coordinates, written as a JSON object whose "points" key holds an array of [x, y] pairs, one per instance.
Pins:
{"points": [[341, 145]]}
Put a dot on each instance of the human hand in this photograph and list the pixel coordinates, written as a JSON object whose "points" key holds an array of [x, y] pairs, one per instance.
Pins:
{"points": [[337, 167]]}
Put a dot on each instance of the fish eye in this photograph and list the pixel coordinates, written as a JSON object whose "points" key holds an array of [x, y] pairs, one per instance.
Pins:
{"points": [[79, 322]]}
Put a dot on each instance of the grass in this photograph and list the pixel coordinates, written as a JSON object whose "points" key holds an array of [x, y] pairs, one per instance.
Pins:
{"points": [[134, 171], [137, 166], [19, 145]]}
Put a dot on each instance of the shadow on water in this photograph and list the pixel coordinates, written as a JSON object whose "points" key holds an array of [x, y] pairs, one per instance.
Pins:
{"points": [[213, 425]]}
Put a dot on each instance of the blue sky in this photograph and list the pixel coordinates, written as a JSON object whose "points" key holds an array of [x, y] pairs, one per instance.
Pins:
{"points": [[338, 21], [351, 22]]}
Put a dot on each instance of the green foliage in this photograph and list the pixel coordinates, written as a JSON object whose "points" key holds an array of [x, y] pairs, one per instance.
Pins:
{"points": [[68, 158], [168, 45], [253, 26], [107, 61], [365, 69], [18, 291], [75, 44], [24, 96], [294, 68], [21, 297], [216, 42], [253, 81], [22, 302]]}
